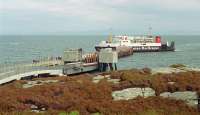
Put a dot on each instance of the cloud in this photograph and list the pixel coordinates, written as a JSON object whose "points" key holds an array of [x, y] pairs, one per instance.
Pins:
{"points": [[82, 6], [94, 14], [96, 7]]}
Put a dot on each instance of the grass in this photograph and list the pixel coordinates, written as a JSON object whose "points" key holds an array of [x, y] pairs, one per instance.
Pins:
{"points": [[70, 113], [149, 112]]}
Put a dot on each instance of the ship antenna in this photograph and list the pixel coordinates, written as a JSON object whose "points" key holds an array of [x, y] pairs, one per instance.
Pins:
{"points": [[150, 31]]}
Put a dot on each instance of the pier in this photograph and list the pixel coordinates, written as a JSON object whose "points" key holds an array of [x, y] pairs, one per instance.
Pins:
{"points": [[11, 72], [72, 62]]}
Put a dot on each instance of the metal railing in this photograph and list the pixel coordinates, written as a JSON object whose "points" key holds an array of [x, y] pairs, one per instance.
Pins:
{"points": [[10, 69]]}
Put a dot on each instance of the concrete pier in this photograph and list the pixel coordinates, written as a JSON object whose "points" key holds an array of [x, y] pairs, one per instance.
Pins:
{"points": [[33, 73], [72, 62], [13, 72]]}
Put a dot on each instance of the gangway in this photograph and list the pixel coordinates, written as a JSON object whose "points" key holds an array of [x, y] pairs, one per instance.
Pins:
{"points": [[11, 72]]}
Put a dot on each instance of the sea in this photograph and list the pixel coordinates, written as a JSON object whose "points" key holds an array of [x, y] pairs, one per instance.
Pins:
{"points": [[21, 49]]}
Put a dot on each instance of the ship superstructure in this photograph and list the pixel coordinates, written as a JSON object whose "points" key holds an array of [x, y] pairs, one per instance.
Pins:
{"points": [[139, 43]]}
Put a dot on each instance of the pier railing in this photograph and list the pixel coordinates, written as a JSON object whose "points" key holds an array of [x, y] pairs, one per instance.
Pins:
{"points": [[10, 69]]}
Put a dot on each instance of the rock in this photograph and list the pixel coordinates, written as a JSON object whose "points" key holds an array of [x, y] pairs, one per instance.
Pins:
{"points": [[99, 77], [115, 81], [188, 96], [131, 93], [169, 70], [49, 81], [43, 109], [38, 82], [95, 81], [107, 76], [36, 111], [27, 86], [146, 70], [192, 69], [166, 70], [171, 83], [34, 107], [32, 82]]}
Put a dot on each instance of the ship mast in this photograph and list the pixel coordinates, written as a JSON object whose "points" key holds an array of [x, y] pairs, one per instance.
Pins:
{"points": [[110, 36], [150, 31]]}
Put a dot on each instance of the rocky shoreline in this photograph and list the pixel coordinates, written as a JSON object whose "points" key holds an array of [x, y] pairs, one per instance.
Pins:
{"points": [[174, 90]]}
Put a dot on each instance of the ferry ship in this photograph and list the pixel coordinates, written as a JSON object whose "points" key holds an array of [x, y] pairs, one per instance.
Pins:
{"points": [[138, 43]]}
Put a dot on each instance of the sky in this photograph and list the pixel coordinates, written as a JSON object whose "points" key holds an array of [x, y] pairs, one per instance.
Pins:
{"points": [[69, 17]]}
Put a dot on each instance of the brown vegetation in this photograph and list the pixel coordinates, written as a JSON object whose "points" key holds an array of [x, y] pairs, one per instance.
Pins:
{"points": [[79, 93], [183, 81]]}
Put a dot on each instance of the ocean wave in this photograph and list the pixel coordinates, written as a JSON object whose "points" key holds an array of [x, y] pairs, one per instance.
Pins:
{"points": [[178, 50], [14, 43]]}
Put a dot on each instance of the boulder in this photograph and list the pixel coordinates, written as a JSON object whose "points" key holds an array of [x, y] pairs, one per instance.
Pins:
{"points": [[188, 96], [131, 93]]}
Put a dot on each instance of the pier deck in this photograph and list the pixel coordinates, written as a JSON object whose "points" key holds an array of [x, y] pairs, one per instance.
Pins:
{"points": [[11, 72]]}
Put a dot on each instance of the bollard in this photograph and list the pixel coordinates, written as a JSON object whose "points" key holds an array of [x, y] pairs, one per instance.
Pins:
{"points": [[115, 66]]}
